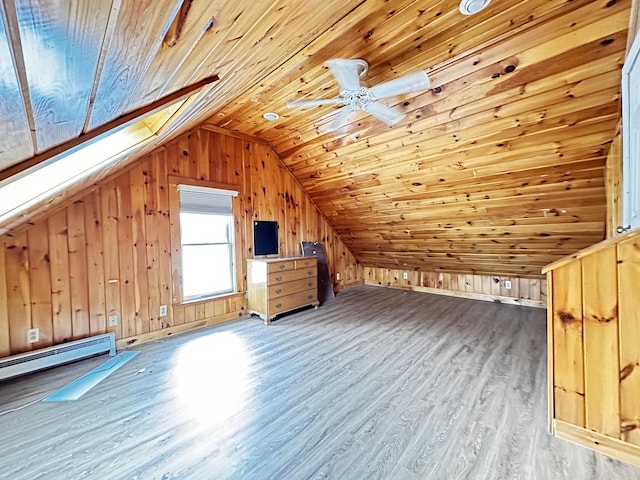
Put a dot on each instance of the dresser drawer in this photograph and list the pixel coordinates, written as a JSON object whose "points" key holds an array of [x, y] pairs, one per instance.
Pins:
{"points": [[300, 299], [282, 266], [306, 262], [287, 288], [290, 275]]}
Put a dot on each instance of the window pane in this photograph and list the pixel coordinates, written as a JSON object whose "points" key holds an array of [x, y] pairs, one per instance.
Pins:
{"points": [[202, 228], [206, 269]]}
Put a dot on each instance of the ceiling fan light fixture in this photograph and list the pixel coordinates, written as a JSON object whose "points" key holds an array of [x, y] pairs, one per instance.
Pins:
{"points": [[470, 7]]}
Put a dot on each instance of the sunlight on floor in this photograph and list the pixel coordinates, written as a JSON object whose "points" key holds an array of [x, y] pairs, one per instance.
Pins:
{"points": [[212, 378]]}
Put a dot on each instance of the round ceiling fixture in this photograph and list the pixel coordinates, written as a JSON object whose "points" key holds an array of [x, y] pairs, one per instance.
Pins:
{"points": [[270, 116], [469, 7]]}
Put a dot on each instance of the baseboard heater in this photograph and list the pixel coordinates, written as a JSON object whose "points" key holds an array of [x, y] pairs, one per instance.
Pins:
{"points": [[57, 355]]}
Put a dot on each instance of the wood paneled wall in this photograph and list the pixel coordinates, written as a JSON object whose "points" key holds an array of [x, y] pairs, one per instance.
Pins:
{"points": [[594, 326], [524, 291], [109, 252]]}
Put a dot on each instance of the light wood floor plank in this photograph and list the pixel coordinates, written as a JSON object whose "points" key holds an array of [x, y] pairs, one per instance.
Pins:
{"points": [[377, 383]]}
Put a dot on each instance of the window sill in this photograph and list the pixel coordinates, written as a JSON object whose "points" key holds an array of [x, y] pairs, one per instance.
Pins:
{"points": [[197, 301]]}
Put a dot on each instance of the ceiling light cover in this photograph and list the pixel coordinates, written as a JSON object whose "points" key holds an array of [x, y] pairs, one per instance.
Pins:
{"points": [[469, 7], [270, 116]]}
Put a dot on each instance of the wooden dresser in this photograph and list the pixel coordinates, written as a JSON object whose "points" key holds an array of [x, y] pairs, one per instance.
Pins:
{"points": [[279, 285]]}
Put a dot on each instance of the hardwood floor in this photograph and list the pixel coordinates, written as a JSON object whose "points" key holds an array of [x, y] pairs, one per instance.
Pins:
{"points": [[377, 383]]}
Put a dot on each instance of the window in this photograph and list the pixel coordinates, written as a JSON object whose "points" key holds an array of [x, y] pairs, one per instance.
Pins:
{"points": [[206, 241]]}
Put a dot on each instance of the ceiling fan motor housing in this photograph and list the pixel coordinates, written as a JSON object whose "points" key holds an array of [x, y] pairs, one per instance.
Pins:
{"points": [[357, 99]]}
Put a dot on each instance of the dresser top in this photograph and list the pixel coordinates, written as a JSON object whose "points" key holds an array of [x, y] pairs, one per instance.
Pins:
{"points": [[276, 259]]}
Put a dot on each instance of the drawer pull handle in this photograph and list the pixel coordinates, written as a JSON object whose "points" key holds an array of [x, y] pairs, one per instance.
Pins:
{"points": [[310, 272], [282, 265], [309, 284], [278, 290], [309, 297], [306, 263], [278, 278], [278, 305]]}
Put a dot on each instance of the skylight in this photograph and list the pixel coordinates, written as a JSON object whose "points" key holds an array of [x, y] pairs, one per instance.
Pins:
{"points": [[44, 180]]}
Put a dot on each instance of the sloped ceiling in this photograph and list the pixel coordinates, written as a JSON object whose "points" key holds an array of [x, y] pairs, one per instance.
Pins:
{"points": [[499, 168]]}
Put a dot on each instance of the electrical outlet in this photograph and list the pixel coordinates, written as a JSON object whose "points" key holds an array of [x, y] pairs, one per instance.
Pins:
{"points": [[163, 310], [113, 320], [337, 276], [507, 284], [33, 335], [405, 275]]}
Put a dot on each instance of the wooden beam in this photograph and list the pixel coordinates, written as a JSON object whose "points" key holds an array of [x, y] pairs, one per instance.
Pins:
{"points": [[109, 127]]}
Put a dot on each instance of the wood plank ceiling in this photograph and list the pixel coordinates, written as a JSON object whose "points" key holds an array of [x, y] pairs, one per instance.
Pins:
{"points": [[498, 169]]}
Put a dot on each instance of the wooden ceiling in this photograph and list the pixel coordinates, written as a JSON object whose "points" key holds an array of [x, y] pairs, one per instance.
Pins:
{"points": [[499, 168]]}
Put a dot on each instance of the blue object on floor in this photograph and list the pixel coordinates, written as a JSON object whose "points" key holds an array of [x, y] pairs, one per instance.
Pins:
{"points": [[82, 385]]}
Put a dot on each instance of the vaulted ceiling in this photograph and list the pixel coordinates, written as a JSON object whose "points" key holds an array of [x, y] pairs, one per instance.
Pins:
{"points": [[498, 168]]}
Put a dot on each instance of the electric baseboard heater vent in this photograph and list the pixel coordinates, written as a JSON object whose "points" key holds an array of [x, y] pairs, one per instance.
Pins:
{"points": [[57, 355]]}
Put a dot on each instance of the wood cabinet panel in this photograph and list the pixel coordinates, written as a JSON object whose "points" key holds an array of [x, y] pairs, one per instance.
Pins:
{"points": [[594, 332]]}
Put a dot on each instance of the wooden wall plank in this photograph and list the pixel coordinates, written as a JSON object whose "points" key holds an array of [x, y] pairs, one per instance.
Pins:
{"points": [[125, 257], [613, 178], [18, 292], [164, 240], [628, 256], [568, 353], [601, 352], [5, 346], [60, 280], [78, 278], [143, 317], [152, 240], [40, 283], [95, 264], [109, 204]]}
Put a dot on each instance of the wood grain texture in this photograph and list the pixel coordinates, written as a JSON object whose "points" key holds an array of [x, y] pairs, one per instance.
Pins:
{"points": [[529, 292], [498, 169], [628, 254], [601, 347], [568, 346], [16, 143], [378, 383], [613, 177], [595, 329], [71, 33], [110, 251]]}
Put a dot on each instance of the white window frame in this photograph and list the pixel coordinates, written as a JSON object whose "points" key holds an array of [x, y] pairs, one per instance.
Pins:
{"points": [[175, 184]]}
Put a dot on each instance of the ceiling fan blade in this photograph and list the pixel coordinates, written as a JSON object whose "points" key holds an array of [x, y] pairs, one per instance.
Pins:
{"points": [[313, 102], [388, 115], [413, 82], [347, 72], [340, 120]]}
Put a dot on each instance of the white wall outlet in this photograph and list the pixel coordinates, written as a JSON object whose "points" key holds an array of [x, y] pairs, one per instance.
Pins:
{"points": [[33, 335], [507, 284], [163, 310], [337, 276], [113, 320], [405, 275]]}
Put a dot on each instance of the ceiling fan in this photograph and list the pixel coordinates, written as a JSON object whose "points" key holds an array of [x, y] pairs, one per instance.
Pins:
{"points": [[355, 96]]}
